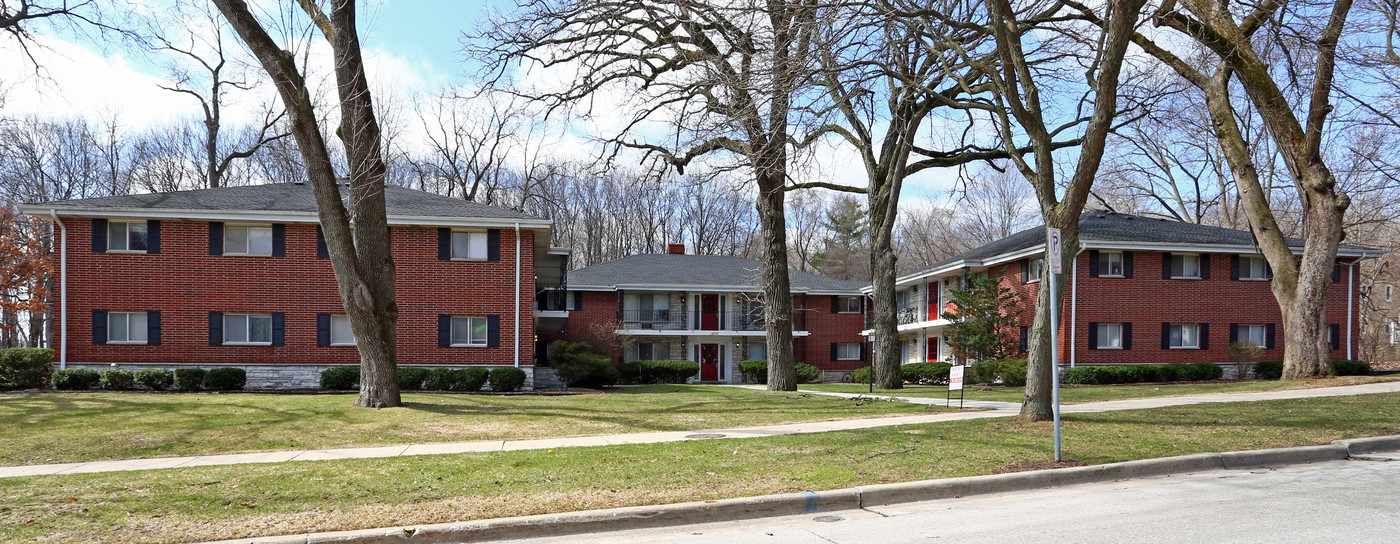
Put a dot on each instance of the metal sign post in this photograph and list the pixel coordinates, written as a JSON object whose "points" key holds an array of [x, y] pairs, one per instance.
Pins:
{"points": [[955, 383], [1052, 250]]}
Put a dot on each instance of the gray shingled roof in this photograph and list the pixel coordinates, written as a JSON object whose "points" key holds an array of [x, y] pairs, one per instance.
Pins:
{"points": [[1104, 226], [287, 197], [697, 270]]}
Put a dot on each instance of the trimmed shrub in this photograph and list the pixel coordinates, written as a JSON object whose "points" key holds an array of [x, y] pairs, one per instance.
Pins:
{"points": [[1176, 372], [578, 366], [754, 371], [189, 379], [1268, 370], [75, 378], [225, 379], [506, 379], [455, 379], [411, 378], [1348, 367], [861, 375], [926, 373], [668, 371], [1013, 372], [806, 373], [982, 373], [26, 368], [340, 377], [156, 379], [116, 379]]}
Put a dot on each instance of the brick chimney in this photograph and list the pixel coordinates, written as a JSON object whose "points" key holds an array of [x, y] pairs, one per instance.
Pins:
{"points": [[675, 249]]}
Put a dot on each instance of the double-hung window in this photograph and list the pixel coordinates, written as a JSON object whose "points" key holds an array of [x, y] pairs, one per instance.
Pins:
{"points": [[1111, 264], [1186, 266], [1035, 270], [1253, 267], [469, 331], [126, 327], [1183, 336], [122, 236], [758, 351], [247, 240], [653, 351], [1254, 334], [469, 245], [1110, 336], [341, 333], [848, 305], [851, 352], [248, 329]]}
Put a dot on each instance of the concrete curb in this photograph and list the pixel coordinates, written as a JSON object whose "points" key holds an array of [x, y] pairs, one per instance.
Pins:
{"points": [[640, 517]]}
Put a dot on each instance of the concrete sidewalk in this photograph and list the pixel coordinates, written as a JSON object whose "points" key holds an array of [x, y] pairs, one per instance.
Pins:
{"points": [[928, 401], [998, 409]]}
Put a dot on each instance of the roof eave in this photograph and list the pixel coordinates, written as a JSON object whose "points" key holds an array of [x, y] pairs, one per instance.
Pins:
{"points": [[46, 212]]}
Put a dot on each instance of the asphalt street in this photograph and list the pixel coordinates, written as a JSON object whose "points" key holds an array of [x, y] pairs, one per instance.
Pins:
{"points": [[1352, 501]]}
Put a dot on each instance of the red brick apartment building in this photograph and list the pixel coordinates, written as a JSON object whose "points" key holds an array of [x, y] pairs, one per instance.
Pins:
{"points": [[1142, 290], [238, 276], [709, 309]]}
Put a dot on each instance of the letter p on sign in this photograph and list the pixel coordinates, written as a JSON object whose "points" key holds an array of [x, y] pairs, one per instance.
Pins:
{"points": [[1053, 248]]}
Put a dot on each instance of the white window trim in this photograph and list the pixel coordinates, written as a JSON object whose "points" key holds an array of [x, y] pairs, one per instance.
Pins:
{"points": [[451, 257], [128, 239], [1252, 257], [1100, 337], [1242, 336], [838, 351], [1183, 265], [246, 244], [1030, 270], [128, 331], [1197, 345], [331, 332], [250, 330], [1103, 268], [845, 298], [453, 322]]}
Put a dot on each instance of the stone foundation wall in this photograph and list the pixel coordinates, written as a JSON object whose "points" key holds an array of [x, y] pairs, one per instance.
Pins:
{"points": [[280, 376]]}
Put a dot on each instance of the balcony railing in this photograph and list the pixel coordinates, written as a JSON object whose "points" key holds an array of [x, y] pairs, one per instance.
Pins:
{"points": [[908, 315], [673, 320]]}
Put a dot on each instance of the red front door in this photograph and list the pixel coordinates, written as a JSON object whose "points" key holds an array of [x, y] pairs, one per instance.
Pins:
{"points": [[709, 362], [933, 309], [933, 350], [709, 312]]}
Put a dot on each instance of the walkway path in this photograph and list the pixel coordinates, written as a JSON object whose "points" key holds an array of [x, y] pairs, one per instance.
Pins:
{"points": [[993, 410]]}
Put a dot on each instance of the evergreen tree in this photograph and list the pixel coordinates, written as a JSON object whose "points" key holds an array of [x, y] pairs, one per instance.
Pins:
{"points": [[983, 320]]}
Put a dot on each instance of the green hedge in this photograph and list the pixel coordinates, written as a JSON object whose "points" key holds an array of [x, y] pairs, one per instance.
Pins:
{"points": [[26, 368], [579, 366], [668, 371], [116, 379], [1013, 372], [189, 379], [506, 379], [757, 372], [456, 379], [1177, 372], [340, 377], [926, 373], [807, 373], [861, 375], [411, 378], [155, 379], [1009, 372], [75, 378], [1273, 370], [225, 379]]}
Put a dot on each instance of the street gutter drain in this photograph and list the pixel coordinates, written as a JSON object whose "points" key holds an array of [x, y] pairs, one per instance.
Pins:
{"points": [[704, 435], [829, 519]]}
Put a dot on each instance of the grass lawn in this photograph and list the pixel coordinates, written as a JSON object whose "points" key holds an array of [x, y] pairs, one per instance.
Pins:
{"points": [[1092, 393], [240, 501], [62, 427]]}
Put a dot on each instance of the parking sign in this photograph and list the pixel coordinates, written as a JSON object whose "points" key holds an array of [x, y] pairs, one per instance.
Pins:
{"points": [[1053, 240]]}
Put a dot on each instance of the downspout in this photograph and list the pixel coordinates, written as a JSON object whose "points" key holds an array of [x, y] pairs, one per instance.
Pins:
{"points": [[1350, 276], [517, 295], [1074, 306], [62, 291]]}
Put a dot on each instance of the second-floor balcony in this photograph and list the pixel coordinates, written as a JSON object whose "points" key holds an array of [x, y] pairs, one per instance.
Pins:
{"points": [[679, 320]]}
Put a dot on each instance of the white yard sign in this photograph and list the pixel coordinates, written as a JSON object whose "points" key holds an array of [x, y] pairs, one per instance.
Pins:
{"points": [[1054, 250], [955, 378]]}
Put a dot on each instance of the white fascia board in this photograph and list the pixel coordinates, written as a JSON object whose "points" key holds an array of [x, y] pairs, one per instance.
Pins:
{"points": [[278, 217], [1206, 248]]}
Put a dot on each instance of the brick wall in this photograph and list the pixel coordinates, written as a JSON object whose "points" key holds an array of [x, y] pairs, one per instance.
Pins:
{"points": [[825, 329], [185, 283], [1147, 300]]}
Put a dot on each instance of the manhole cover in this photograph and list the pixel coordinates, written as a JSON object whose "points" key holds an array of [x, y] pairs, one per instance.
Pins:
{"points": [[706, 435], [829, 519]]}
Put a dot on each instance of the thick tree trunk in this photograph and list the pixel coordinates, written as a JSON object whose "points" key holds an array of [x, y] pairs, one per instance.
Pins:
{"points": [[1038, 403], [1307, 350], [885, 358], [777, 288]]}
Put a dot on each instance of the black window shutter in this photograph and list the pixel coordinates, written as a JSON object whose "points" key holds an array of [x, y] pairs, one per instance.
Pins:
{"points": [[323, 329], [1234, 332], [1334, 334], [1127, 264], [493, 331], [1268, 270], [1025, 270], [444, 330], [1025, 339], [835, 304], [1166, 266], [1204, 330], [99, 327], [153, 237], [493, 244], [216, 328], [578, 300], [1269, 336], [1336, 272], [833, 351], [1234, 270], [1166, 336], [444, 244], [1205, 266], [1094, 263], [153, 328], [321, 251], [1093, 335], [99, 235], [216, 238], [1127, 336], [279, 239], [863, 352], [279, 329]]}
